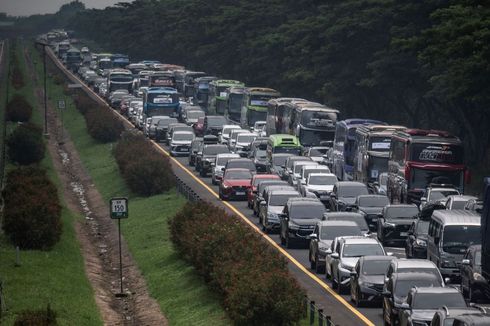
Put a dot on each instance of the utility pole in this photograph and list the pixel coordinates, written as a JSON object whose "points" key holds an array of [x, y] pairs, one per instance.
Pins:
{"points": [[44, 45]]}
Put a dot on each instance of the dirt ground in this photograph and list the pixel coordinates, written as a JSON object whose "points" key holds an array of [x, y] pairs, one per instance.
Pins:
{"points": [[97, 233]]}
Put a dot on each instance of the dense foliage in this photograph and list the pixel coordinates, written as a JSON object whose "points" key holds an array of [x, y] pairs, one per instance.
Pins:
{"points": [[32, 213], [418, 63], [36, 318], [252, 278], [18, 109], [26, 145], [145, 171]]}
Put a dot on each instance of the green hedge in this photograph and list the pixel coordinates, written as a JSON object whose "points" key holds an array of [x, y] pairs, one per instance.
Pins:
{"points": [[26, 145], [251, 276], [18, 109]]}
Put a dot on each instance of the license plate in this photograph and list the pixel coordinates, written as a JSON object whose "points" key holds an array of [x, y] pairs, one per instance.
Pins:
{"points": [[240, 193], [184, 149], [403, 234], [374, 219]]}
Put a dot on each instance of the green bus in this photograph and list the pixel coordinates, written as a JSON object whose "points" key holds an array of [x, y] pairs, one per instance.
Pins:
{"points": [[255, 102], [217, 94], [234, 102], [283, 143]]}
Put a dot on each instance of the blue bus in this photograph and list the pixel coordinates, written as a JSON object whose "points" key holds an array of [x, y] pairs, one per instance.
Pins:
{"points": [[160, 101], [344, 146]]}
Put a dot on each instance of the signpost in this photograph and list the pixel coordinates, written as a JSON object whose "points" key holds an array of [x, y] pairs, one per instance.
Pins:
{"points": [[119, 210]]}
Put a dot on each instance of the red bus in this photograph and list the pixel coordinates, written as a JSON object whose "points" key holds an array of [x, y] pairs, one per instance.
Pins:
{"points": [[420, 157]]}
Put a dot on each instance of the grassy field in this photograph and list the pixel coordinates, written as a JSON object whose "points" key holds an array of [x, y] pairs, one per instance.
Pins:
{"points": [[181, 293], [53, 277]]}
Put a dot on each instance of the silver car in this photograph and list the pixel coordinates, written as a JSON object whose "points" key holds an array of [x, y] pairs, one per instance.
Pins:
{"points": [[218, 169]]}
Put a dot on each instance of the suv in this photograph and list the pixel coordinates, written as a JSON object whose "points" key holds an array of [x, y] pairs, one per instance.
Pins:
{"points": [[298, 219], [437, 192], [371, 206], [288, 166], [348, 253], [225, 134], [207, 158], [259, 195], [403, 265], [277, 163], [181, 142], [242, 163], [213, 124], [395, 221], [321, 240], [296, 171], [348, 216], [423, 302], [195, 145], [271, 207], [305, 172], [256, 179], [396, 290], [416, 244], [445, 316], [344, 195], [221, 160], [162, 127], [242, 142], [473, 285], [458, 201]]}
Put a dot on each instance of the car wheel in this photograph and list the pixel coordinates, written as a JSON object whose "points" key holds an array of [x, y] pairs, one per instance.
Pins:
{"points": [[213, 181], [339, 285], [283, 241], [202, 173], [359, 302], [335, 284]]}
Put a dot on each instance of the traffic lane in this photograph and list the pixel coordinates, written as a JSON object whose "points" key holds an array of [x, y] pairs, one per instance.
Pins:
{"points": [[300, 254]]}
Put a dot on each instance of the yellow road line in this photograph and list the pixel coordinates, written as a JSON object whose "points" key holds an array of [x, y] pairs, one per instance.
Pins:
{"points": [[245, 219]]}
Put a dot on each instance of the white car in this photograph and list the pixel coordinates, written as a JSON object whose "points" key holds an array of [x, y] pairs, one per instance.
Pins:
{"points": [[180, 143], [217, 172], [225, 133], [306, 170], [319, 184], [241, 144]]}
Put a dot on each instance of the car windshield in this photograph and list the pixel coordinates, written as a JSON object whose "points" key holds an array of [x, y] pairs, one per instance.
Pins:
{"points": [[166, 122], [401, 212], [323, 180], [245, 138], [403, 286], [441, 194], [298, 167], [238, 175], [458, 204], [183, 136], [216, 121], [222, 160], [457, 238], [307, 211], [436, 300], [279, 160], [351, 191], [195, 114], [331, 232], [287, 150], [362, 249], [260, 154], [259, 180], [381, 201], [214, 150], [242, 165], [375, 267], [280, 200], [318, 151], [423, 227], [359, 220]]}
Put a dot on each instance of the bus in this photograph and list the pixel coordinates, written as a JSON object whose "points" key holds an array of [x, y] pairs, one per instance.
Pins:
{"points": [[62, 48], [73, 59], [161, 79], [234, 100], [217, 94], [420, 157], [372, 147], [201, 91], [188, 87], [344, 145], [160, 101], [254, 107], [281, 143], [276, 111], [119, 79]]}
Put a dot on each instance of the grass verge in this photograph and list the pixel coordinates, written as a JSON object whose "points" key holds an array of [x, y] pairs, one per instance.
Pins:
{"points": [[57, 276], [183, 296]]}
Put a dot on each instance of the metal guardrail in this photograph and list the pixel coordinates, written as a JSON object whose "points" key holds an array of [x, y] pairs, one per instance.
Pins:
{"points": [[314, 315], [185, 190]]}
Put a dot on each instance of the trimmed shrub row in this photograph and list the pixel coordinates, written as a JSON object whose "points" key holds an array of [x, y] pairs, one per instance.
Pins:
{"points": [[26, 145], [251, 276], [145, 171], [18, 109], [32, 213]]}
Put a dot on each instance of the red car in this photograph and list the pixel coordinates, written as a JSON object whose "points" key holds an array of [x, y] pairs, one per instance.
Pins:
{"points": [[199, 127], [255, 181], [235, 184]]}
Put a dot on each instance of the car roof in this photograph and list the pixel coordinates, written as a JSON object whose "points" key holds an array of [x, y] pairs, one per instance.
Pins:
{"points": [[304, 201], [376, 258], [237, 170], [422, 263], [181, 132], [342, 214], [461, 197], [266, 176], [414, 275], [363, 240], [400, 206], [349, 184], [241, 160], [227, 155], [371, 196], [321, 173], [457, 217], [337, 223], [284, 192], [435, 289]]}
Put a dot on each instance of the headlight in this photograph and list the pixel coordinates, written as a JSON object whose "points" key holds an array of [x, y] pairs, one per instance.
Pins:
{"points": [[321, 248], [225, 186], [390, 224], [293, 226], [272, 215], [448, 264], [349, 268], [368, 284], [478, 277], [421, 243]]}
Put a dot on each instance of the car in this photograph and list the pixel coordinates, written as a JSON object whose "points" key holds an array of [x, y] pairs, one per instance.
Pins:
{"points": [[367, 279], [296, 171], [199, 126], [213, 124], [416, 243], [422, 303], [445, 316], [206, 158], [473, 285], [162, 127], [151, 130], [306, 170], [395, 292], [394, 223], [321, 240], [319, 184], [437, 193], [458, 201], [277, 163], [474, 205], [298, 220], [480, 319], [272, 206], [224, 136], [380, 186], [256, 180], [317, 152], [259, 196], [403, 265], [192, 116], [243, 163], [195, 144], [233, 134], [348, 216], [242, 142], [344, 195], [345, 258], [334, 248], [221, 160], [371, 206], [180, 143], [259, 158], [235, 184], [177, 127], [258, 125], [288, 166]]}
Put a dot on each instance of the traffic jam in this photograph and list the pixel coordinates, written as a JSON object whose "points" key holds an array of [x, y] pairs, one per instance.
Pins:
{"points": [[379, 211]]}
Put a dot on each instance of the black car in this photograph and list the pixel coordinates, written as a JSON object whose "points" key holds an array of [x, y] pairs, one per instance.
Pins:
{"points": [[344, 195], [259, 158], [213, 124], [416, 245], [473, 284], [206, 159], [260, 189], [162, 127], [348, 216], [277, 163], [367, 279], [371, 207], [394, 223], [298, 220], [240, 163], [196, 143]]}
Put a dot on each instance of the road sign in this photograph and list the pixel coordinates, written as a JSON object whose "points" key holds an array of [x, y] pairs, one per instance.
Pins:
{"points": [[119, 208], [61, 104]]}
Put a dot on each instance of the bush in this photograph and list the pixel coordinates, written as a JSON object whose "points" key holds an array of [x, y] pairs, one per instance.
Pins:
{"points": [[16, 77], [36, 318], [253, 279], [145, 171], [18, 109], [102, 125], [32, 213], [26, 145]]}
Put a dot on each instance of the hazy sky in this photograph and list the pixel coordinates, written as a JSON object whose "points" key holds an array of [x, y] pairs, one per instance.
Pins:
{"points": [[29, 7]]}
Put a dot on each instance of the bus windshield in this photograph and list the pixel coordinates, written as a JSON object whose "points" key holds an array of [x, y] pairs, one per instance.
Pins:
{"points": [[260, 100], [420, 178], [314, 137], [287, 149], [318, 119], [235, 104]]}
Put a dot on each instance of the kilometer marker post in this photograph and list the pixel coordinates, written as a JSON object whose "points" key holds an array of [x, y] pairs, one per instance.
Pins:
{"points": [[119, 210]]}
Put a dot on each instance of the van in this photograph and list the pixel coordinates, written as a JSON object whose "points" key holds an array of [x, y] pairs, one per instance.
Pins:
{"points": [[451, 232]]}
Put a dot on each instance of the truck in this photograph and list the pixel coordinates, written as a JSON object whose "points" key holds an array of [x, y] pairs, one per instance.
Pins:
{"points": [[188, 85], [201, 91], [234, 100], [420, 157], [254, 106], [73, 59], [119, 79], [217, 98], [61, 48], [160, 101]]}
